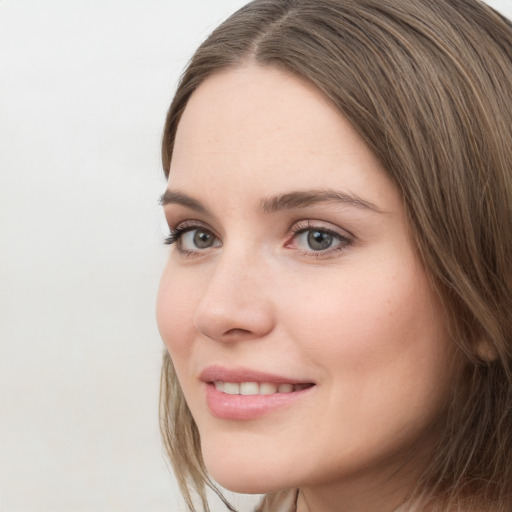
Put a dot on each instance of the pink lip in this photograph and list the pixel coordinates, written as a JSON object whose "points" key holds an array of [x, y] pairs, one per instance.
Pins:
{"points": [[246, 407], [213, 373]]}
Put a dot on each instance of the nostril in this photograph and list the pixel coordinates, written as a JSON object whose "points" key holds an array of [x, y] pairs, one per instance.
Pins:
{"points": [[231, 333]]}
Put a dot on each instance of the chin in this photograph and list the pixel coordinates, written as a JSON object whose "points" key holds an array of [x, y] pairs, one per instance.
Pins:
{"points": [[244, 482], [242, 485], [243, 472]]}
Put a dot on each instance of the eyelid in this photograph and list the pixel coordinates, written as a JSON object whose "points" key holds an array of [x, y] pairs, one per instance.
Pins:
{"points": [[308, 224], [345, 238], [188, 225], [184, 227]]}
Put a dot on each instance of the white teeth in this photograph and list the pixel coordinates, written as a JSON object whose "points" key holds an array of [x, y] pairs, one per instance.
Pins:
{"points": [[249, 388], [232, 388], [255, 388], [267, 388], [285, 388]]}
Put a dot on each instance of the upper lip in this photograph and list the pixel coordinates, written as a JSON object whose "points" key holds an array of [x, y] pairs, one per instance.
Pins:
{"points": [[240, 374]]}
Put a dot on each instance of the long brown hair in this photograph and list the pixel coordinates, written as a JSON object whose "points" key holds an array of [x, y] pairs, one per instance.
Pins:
{"points": [[428, 85]]}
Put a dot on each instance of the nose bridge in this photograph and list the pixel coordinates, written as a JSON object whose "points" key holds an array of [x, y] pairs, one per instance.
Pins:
{"points": [[236, 301], [234, 262]]}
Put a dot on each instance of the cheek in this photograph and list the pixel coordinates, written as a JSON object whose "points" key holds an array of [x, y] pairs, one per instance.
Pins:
{"points": [[359, 314], [383, 355], [175, 304], [176, 301], [378, 338]]}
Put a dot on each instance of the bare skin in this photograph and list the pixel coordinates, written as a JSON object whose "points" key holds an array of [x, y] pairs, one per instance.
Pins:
{"points": [[294, 258]]}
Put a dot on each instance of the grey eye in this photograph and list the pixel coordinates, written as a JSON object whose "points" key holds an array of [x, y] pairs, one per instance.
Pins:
{"points": [[203, 239], [319, 240], [198, 239]]}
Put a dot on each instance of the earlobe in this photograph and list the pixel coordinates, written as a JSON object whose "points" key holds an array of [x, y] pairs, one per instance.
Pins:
{"points": [[486, 351]]}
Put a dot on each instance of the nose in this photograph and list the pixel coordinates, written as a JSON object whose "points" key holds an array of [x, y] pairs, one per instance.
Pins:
{"points": [[236, 302]]}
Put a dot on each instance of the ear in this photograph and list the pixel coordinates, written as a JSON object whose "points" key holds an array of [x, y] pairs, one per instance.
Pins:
{"points": [[486, 351]]}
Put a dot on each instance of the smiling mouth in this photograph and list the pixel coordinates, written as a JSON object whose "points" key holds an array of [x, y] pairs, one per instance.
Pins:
{"points": [[240, 394], [258, 388]]}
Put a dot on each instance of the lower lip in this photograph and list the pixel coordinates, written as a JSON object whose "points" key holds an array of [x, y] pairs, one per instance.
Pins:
{"points": [[248, 407]]}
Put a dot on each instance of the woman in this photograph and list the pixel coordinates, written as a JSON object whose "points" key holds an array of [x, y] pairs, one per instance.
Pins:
{"points": [[336, 304]]}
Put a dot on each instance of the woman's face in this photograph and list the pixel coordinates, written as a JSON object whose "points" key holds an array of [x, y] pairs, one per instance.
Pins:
{"points": [[307, 339]]}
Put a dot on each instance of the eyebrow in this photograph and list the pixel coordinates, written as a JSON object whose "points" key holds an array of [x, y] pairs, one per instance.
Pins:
{"points": [[288, 201], [302, 199], [171, 197]]}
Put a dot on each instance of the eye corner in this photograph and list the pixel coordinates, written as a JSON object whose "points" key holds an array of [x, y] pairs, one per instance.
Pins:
{"points": [[192, 238], [169, 239]]}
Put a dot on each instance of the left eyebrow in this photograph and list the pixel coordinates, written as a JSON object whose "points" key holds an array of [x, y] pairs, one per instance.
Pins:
{"points": [[302, 199], [172, 197]]}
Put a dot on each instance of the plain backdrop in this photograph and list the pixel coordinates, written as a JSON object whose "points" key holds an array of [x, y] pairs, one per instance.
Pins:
{"points": [[84, 87]]}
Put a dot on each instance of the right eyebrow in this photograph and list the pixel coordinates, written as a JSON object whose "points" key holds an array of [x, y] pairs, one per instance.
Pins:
{"points": [[170, 197]]}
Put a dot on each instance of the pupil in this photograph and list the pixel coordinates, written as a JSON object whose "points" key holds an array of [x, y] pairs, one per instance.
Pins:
{"points": [[319, 240], [202, 240]]}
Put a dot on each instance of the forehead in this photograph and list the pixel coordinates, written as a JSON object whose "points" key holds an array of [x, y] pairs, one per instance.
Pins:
{"points": [[260, 126]]}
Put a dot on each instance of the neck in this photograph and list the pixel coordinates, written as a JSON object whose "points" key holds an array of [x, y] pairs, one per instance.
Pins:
{"points": [[384, 492]]}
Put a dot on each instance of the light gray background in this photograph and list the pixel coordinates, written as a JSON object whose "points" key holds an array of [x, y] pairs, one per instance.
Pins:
{"points": [[84, 86]]}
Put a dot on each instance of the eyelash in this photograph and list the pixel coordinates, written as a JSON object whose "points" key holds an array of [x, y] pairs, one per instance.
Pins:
{"points": [[299, 228], [176, 234], [344, 241]]}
